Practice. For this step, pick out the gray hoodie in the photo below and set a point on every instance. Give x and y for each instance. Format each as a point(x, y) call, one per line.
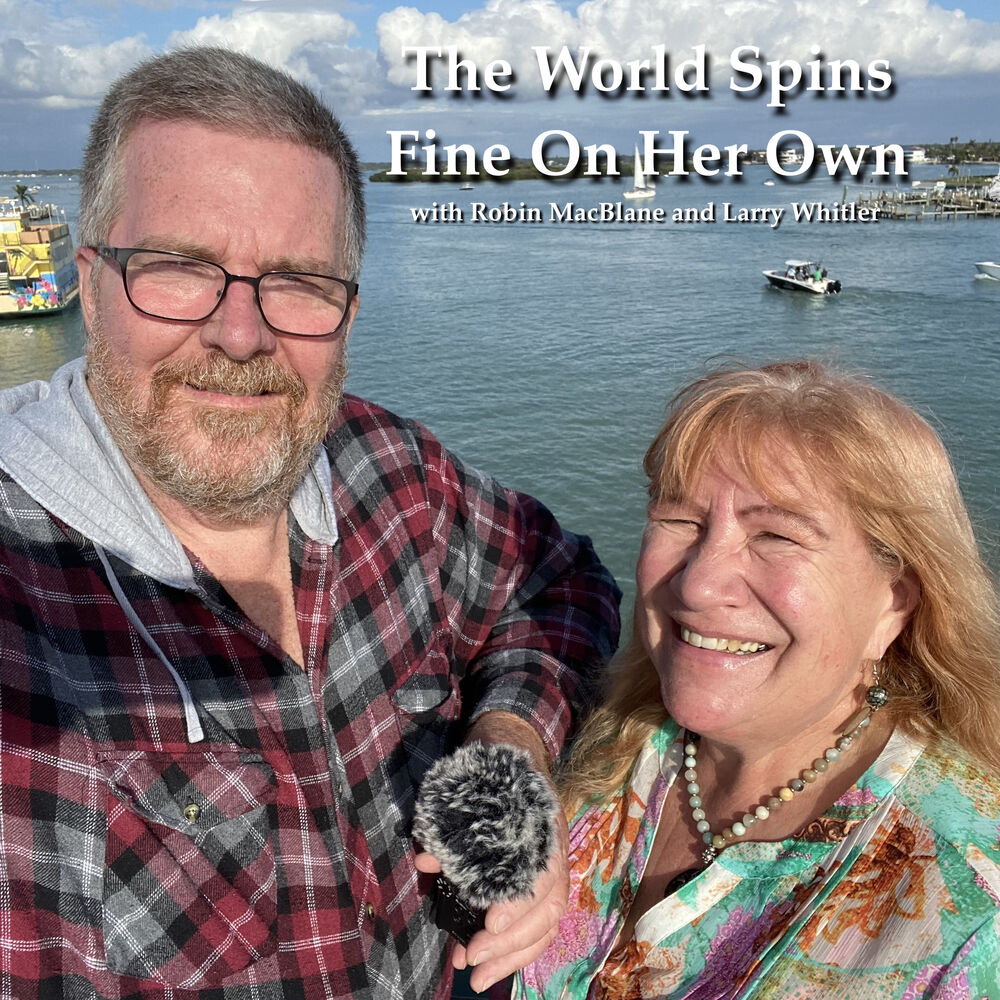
point(55, 445)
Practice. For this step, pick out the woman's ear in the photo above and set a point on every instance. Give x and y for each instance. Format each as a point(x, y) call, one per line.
point(905, 593)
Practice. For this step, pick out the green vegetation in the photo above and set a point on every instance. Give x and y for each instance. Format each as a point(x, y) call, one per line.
point(23, 195)
point(956, 151)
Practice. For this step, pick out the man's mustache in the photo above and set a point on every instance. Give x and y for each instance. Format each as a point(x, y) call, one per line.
point(220, 373)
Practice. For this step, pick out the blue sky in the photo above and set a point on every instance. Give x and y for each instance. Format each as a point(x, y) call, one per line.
point(57, 58)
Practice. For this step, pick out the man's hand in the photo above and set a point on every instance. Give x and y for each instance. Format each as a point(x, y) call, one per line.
point(519, 930)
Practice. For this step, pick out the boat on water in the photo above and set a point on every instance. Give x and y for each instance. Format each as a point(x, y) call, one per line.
point(37, 269)
point(640, 187)
point(803, 276)
point(467, 186)
point(989, 268)
point(993, 191)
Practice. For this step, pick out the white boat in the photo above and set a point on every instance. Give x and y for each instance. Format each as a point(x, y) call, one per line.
point(989, 267)
point(803, 276)
point(639, 188)
point(467, 186)
point(993, 191)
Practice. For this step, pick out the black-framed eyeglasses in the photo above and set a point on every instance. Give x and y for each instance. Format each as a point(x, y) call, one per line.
point(175, 286)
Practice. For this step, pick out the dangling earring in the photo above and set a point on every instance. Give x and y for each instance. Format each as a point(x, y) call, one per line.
point(876, 695)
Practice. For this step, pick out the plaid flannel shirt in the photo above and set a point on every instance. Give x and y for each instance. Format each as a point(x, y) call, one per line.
point(274, 859)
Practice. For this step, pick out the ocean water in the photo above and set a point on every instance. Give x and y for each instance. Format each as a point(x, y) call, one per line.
point(546, 353)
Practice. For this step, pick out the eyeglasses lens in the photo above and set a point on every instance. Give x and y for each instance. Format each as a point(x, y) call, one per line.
point(303, 303)
point(172, 286)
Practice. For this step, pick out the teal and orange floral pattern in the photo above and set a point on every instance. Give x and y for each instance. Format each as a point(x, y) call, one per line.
point(892, 894)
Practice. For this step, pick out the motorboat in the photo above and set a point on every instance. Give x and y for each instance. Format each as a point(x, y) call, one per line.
point(993, 191)
point(990, 268)
point(640, 188)
point(803, 276)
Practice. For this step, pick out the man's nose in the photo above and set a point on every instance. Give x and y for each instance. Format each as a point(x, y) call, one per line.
point(237, 326)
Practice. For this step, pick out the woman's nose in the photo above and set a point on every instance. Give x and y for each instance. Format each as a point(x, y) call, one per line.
point(712, 575)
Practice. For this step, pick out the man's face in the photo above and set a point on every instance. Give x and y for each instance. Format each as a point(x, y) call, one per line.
point(222, 414)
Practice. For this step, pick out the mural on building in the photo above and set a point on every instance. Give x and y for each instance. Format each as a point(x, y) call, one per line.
point(37, 269)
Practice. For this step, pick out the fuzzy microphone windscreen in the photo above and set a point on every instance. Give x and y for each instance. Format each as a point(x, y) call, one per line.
point(487, 815)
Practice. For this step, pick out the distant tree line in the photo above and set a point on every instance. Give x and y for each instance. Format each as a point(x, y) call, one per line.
point(957, 150)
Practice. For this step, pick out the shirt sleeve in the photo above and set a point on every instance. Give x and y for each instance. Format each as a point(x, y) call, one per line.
point(533, 612)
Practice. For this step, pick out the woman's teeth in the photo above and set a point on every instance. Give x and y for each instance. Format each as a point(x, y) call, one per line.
point(738, 646)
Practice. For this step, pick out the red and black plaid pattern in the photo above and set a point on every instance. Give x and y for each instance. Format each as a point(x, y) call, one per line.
point(273, 860)
point(190, 890)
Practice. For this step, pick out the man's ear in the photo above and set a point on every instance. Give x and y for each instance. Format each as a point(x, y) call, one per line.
point(86, 261)
point(352, 314)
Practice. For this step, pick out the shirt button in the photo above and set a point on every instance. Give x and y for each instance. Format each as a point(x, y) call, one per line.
point(369, 911)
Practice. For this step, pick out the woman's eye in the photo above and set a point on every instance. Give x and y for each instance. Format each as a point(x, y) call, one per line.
point(682, 523)
point(774, 536)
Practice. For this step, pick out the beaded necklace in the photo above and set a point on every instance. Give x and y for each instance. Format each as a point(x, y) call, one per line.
point(875, 697)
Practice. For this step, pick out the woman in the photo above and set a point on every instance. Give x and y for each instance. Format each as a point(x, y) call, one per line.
point(789, 789)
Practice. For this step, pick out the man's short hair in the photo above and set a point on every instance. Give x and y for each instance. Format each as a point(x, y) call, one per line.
point(221, 89)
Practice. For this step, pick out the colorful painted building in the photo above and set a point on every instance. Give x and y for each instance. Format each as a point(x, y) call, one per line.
point(37, 269)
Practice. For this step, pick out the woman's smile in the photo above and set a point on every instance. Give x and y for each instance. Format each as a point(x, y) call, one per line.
point(722, 643)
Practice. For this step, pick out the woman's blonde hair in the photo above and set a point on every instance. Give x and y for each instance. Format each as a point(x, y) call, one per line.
point(890, 468)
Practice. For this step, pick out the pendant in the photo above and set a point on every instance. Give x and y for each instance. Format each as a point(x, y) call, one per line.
point(708, 855)
point(680, 880)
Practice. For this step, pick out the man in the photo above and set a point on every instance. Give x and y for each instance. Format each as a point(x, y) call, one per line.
point(240, 613)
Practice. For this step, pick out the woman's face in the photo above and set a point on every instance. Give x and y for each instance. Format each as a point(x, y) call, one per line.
point(760, 616)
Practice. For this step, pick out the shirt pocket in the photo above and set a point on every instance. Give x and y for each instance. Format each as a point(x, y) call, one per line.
point(427, 703)
point(190, 885)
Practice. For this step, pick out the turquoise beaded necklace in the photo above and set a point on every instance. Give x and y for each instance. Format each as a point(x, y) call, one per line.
point(875, 697)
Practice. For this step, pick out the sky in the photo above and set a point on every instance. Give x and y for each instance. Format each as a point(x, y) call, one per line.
point(57, 58)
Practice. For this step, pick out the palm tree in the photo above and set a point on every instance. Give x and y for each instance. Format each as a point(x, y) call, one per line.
point(23, 195)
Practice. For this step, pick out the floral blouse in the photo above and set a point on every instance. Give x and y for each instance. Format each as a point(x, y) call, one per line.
point(894, 894)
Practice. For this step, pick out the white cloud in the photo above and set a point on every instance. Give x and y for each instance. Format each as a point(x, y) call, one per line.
point(918, 38)
point(60, 63)
point(270, 34)
point(64, 75)
point(309, 44)
point(503, 29)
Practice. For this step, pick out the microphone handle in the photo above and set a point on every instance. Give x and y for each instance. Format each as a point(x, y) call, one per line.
point(450, 914)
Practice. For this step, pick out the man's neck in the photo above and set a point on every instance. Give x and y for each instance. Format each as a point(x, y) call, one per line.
point(251, 560)
point(218, 541)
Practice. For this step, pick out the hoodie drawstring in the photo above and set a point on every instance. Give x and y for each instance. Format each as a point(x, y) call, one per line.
point(195, 734)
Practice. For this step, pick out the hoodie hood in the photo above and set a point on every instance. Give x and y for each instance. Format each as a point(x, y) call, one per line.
point(55, 445)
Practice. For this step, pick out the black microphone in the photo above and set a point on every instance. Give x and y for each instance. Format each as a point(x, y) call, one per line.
point(487, 815)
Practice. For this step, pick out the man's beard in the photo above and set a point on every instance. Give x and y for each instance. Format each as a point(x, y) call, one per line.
point(227, 464)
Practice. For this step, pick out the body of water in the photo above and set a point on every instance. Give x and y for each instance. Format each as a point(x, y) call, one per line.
point(546, 353)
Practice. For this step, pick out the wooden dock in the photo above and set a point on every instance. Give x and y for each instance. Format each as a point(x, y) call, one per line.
point(930, 204)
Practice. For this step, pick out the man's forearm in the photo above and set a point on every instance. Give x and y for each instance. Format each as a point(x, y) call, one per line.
point(505, 727)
